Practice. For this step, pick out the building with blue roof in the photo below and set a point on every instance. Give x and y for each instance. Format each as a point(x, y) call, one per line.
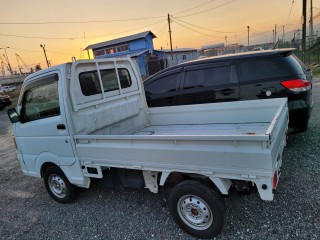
point(138, 46)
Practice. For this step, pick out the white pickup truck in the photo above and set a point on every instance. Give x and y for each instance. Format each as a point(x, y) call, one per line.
point(89, 119)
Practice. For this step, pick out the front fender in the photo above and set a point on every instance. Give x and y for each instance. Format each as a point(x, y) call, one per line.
point(46, 157)
point(72, 170)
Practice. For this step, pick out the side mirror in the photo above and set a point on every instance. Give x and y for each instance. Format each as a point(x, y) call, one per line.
point(13, 115)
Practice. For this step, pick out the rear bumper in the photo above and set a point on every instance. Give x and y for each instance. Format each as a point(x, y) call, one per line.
point(299, 112)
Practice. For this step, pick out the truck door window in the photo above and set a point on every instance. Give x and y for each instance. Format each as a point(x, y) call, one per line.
point(90, 84)
point(40, 102)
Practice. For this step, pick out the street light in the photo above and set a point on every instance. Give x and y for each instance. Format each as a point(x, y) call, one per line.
point(45, 54)
point(7, 59)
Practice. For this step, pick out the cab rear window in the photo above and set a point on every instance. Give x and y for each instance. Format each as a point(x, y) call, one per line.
point(90, 83)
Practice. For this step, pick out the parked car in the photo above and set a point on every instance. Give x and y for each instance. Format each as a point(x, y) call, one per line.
point(4, 101)
point(235, 77)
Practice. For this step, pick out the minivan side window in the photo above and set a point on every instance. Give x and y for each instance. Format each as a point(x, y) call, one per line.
point(41, 101)
point(207, 77)
point(163, 84)
point(264, 68)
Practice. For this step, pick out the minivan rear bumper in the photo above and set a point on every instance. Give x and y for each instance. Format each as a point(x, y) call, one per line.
point(299, 113)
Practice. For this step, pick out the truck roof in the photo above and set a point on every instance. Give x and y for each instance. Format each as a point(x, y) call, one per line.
point(43, 71)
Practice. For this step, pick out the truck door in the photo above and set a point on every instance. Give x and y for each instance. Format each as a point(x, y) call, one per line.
point(42, 133)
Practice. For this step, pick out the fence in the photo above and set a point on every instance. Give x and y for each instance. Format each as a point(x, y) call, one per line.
point(312, 53)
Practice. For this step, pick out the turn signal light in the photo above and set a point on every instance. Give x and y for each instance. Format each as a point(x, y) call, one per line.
point(275, 180)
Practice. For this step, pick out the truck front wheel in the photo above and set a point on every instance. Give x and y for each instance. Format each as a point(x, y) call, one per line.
point(58, 185)
point(197, 209)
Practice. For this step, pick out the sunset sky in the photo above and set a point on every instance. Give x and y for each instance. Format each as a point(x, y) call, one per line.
point(194, 24)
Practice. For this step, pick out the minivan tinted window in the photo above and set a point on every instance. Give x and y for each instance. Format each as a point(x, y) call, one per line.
point(207, 77)
point(163, 84)
point(264, 68)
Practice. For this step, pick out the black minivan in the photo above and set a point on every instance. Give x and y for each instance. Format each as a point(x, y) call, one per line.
point(235, 77)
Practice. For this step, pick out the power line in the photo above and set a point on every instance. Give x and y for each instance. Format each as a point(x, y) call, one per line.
point(208, 35)
point(77, 38)
point(290, 12)
point(162, 20)
point(24, 50)
point(194, 7)
point(161, 31)
point(206, 28)
point(208, 9)
point(37, 37)
point(64, 53)
point(78, 22)
point(254, 30)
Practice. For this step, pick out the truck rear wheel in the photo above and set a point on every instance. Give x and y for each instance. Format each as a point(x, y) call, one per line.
point(197, 209)
point(58, 185)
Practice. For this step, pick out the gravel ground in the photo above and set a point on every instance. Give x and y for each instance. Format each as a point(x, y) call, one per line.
point(27, 211)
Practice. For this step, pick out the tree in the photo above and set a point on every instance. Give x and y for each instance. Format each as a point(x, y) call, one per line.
point(38, 67)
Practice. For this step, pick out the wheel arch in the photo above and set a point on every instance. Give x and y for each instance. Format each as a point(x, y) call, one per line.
point(221, 184)
point(44, 160)
point(45, 166)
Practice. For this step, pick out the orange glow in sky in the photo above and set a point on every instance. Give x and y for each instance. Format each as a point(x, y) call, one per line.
point(194, 24)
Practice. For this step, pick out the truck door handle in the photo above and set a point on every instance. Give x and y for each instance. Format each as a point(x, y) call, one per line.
point(61, 127)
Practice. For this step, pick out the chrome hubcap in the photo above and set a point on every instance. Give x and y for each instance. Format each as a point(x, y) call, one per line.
point(57, 186)
point(195, 212)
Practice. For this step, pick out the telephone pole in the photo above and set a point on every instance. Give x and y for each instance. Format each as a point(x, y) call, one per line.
point(273, 36)
point(283, 36)
point(275, 33)
point(311, 22)
point(45, 54)
point(170, 38)
point(304, 17)
point(248, 35)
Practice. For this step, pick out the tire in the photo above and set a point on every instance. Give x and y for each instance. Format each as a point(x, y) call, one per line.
point(303, 126)
point(58, 185)
point(197, 209)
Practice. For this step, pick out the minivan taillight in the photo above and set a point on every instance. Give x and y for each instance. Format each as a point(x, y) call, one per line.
point(297, 85)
